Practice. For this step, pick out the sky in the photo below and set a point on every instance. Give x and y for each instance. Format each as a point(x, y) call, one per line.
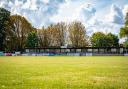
point(96, 15)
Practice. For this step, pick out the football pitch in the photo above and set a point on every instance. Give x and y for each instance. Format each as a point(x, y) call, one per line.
point(64, 72)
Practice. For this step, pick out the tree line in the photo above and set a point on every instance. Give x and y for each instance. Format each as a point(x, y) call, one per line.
point(16, 33)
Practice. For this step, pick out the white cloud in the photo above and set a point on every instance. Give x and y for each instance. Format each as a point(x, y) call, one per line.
point(111, 22)
point(38, 12)
point(30, 4)
point(115, 15)
point(71, 11)
point(99, 25)
point(85, 12)
point(125, 10)
point(46, 1)
point(44, 12)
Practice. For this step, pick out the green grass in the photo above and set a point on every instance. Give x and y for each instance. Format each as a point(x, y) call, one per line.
point(63, 72)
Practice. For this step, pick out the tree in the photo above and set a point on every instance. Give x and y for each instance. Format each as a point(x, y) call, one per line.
point(32, 40)
point(126, 43)
point(4, 21)
point(19, 32)
point(126, 18)
point(100, 39)
point(55, 35)
point(61, 29)
point(113, 40)
point(124, 33)
point(43, 37)
point(77, 35)
point(51, 36)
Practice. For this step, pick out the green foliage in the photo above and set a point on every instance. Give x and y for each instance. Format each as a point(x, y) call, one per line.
point(124, 30)
point(18, 33)
point(100, 39)
point(113, 40)
point(4, 20)
point(124, 33)
point(126, 23)
point(126, 18)
point(32, 40)
point(126, 43)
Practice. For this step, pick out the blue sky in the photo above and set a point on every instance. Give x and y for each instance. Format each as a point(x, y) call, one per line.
point(96, 15)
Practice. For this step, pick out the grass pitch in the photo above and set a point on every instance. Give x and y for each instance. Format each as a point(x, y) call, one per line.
point(63, 72)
